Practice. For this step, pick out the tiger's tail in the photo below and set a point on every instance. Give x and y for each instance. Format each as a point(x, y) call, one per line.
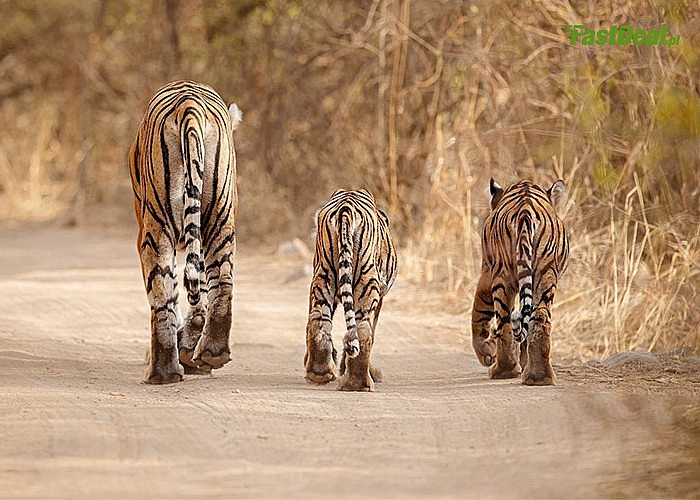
point(192, 123)
point(345, 277)
point(520, 320)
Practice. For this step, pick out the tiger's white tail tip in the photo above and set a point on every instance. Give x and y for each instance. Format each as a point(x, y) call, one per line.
point(352, 348)
point(236, 115)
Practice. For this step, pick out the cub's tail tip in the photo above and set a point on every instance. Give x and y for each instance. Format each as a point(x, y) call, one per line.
point(352, 348)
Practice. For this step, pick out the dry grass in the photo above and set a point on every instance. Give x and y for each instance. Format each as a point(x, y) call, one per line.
point(621, 127)
point(618, 296)
point(621, 291)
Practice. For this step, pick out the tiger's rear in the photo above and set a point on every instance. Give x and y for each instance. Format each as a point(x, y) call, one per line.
point(525, 251)
point(183, 172)
point(354, 265)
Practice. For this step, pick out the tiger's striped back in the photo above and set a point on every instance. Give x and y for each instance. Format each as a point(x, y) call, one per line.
point(354, 265)
point(183, 172)
point(175, 130)
point(525, 251)
point(524, 237)
point(356, 222)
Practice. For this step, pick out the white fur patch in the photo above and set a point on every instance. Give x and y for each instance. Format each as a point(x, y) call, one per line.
point(236, 115)
point(353, 348)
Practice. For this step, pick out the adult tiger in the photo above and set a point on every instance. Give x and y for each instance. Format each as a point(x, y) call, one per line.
point(354, 265)
point(525, 251)
point(183, 171)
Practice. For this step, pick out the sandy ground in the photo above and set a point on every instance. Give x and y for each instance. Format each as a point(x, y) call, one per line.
point(76, 421)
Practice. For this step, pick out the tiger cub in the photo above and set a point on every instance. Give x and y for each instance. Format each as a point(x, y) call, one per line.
point(355, 266)
point(524, 253)
point(183, 172)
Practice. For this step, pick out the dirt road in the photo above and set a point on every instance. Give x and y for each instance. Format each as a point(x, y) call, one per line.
point(78, 423)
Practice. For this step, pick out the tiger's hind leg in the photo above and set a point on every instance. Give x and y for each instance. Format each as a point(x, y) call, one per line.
point(374, 371)
point(482, 314)
point(507, 363)
point(357, 371)
point(212, 350)
point(539, 370)
point(158, 265)
point(321, 355)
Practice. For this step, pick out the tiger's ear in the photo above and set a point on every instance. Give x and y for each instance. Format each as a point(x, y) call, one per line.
point(496, 193)
point(557, 194)
point(384, 216)
point(236, 115)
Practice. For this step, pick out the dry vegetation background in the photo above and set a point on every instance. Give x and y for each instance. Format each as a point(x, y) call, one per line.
point(420, 101)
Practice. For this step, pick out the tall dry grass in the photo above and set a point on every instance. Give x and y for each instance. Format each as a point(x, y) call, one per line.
point(621, 127)
point(622, 290)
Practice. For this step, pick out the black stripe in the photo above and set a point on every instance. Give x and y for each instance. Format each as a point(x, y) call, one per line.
point(498, 301)
point(192, 229)
point(155, 272)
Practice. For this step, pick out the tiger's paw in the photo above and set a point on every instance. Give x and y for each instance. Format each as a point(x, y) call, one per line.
point(540, 381)
point(498, 373)
point(157, 377)
point(485, 350)
point(316, 376)
point(546, 378)
point(191, 367)
point(363, 384)
point(208, 355)
point(319, 372)
point(212, 361)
